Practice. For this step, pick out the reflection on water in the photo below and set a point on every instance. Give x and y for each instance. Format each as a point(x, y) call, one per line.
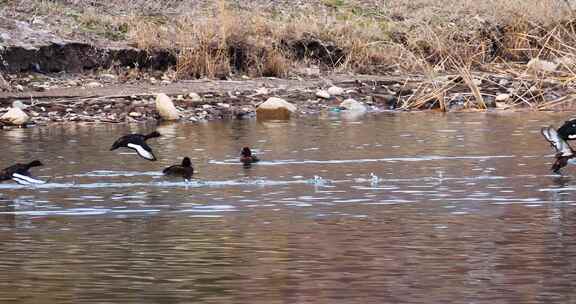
point(394, 208)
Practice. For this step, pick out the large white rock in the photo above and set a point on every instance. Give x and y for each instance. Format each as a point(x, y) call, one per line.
point(166, 108)
point(15, 116)
point(353, 105)
point(335, 91)
point(275, 108)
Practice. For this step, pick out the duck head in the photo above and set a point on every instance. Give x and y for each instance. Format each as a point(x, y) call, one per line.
point(186, 162)
point(246, 152)
point(568, 130)
point(152, 135)
point(35, 163)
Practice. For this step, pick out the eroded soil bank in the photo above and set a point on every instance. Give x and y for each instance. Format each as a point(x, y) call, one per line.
point(74, 61)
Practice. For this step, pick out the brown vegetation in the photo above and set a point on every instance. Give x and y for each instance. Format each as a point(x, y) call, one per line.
point(218, 39)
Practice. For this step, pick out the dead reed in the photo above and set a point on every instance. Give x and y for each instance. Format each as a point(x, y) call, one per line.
point(220, 39)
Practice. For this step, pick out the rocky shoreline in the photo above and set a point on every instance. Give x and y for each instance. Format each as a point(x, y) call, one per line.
point(196, 101)
point(107, 98)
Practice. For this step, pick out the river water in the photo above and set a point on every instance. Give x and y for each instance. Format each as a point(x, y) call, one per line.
point(389, 208)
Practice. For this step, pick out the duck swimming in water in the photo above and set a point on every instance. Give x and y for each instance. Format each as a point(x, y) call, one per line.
point(184, 170)
point(563, 150)
point(20, 173)
point(137, 142)
point(246, 156)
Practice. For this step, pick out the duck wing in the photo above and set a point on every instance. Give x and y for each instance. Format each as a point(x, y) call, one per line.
point(26, 179)
point(561, 146)
point(7, 173)
point(120, 142)
point(19, 173)
point(171, 170)
point(143, 150)
point(177, 170)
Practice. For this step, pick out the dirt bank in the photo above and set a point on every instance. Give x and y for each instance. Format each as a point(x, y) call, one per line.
point(103, 61)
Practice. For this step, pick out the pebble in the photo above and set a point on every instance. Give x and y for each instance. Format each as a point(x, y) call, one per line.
point(195, 97)
point(93, 84)
point(262, 91)
point(108, 77)
point(323, 94)
point(353, 105)
point(502, 97)
point(4, 85)
point(335, 91)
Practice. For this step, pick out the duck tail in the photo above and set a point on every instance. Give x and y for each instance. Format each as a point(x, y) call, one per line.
point(560, 163)
point(151, 135)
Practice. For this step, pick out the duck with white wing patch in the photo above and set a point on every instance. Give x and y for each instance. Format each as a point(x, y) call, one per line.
point(20, 173)
point(137, 142)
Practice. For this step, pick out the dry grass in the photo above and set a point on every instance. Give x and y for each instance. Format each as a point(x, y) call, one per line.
point(218, 39)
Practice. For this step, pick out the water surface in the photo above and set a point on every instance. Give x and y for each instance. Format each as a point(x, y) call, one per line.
point(391, 208)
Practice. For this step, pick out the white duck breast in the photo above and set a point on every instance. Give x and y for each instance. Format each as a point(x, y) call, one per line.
point(26, 180)
point(141, 151)
point(558, 143)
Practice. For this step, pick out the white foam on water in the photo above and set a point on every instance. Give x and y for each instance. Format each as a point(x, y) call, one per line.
point(106, 173)
point(367, 160)
point(73, 211)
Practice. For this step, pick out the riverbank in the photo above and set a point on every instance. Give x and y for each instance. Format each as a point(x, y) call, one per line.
point(72, 61)
point(105, 98)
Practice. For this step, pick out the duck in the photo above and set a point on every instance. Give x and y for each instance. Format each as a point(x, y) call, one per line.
point(564, 152)
point(20, 173)
point(568, 130)
point(246, 156)
point(137, 142)
point(184, 170)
